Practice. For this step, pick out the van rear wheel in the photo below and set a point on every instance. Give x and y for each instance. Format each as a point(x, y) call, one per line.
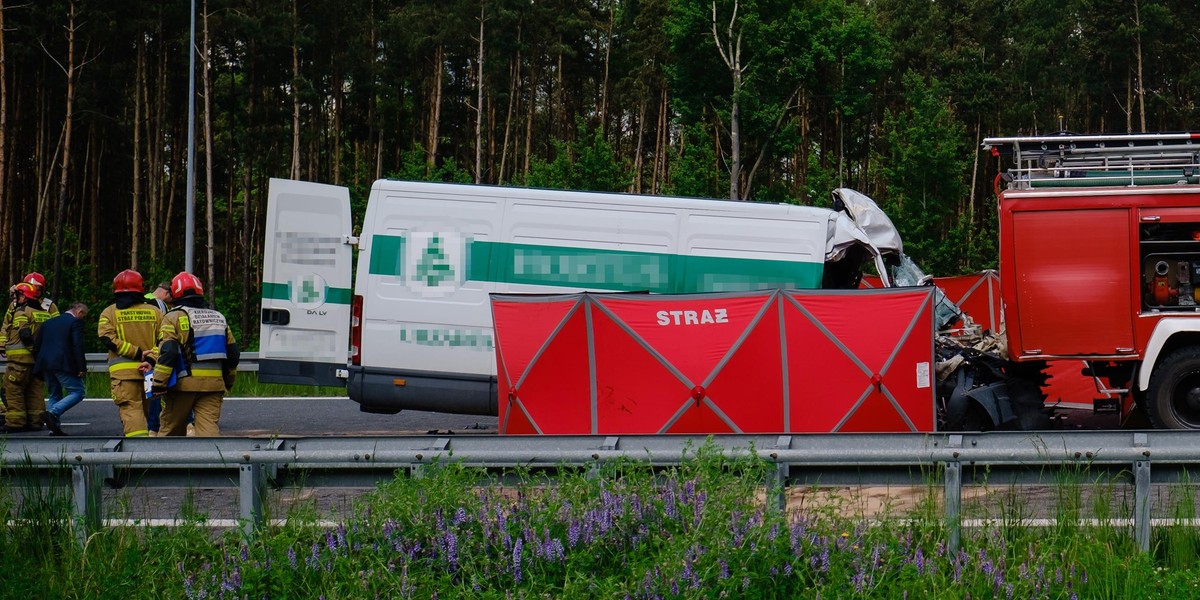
point(1173, 397)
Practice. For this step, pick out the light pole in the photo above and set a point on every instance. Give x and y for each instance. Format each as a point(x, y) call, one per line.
point(189, 259)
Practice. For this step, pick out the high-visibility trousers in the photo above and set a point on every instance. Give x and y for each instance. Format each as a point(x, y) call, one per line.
point(177, 405)
point(129, 396)
point(24, 396)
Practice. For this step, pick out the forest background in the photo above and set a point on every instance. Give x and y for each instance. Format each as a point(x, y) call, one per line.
point(756, 100)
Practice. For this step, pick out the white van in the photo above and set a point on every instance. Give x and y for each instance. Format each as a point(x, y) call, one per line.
point(416, 331)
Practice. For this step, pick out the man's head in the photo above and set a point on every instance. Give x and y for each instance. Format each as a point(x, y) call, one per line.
point(79, 309)
point(163, 291)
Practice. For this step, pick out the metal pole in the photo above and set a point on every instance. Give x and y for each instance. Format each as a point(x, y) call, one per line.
point(190, 228)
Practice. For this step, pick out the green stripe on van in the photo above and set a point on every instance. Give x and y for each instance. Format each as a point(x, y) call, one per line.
point(283, 291)
point(616, 270)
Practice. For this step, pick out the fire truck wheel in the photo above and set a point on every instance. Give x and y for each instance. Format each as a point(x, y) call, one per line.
point(1173, 397)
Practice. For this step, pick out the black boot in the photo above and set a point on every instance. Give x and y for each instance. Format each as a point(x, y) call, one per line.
point(52, 422)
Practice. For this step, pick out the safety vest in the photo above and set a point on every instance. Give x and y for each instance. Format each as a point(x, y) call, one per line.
point(206, 342)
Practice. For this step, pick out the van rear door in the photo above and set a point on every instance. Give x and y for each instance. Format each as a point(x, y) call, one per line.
point(305, 331)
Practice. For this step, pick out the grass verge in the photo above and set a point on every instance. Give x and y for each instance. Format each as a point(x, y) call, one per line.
point(703, 529)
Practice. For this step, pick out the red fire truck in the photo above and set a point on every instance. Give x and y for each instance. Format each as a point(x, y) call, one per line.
point(1100, 261)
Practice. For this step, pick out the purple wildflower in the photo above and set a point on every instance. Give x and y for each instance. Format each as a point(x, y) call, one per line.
point(452, 550)
point(516, 560)
point(573, 532)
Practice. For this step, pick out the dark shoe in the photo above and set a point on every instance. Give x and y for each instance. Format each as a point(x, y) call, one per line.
point(52, 422)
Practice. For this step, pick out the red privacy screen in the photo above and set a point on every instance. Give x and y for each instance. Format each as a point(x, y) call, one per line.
point(782, 361)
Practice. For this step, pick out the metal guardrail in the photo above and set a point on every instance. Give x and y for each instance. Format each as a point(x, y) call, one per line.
point(97, 362)
point(862, 459)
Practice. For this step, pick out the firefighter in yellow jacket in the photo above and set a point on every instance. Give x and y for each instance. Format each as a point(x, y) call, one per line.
point(25, 394)
point(38, 281)
point(128, 329)
point(197, 361)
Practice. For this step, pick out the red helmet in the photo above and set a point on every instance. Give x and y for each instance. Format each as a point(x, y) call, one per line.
point(25, 289)
point(127, 281)
point(183, 283)
point(37, 279)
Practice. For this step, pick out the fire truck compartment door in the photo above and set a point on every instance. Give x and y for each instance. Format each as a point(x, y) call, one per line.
point(1074, 281)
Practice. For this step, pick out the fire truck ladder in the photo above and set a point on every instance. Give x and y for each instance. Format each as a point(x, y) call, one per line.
point(1070, 160)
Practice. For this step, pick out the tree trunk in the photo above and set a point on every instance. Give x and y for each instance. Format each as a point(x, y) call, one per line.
point(479, 103)
point(637, 153)
point(139, 82)
point(1129, 83)
point(731, 53)
point(1141, 84)
point(160, 208)
point(247, 191)
point(514, 74)
point(89, 217)
point(659, 176)
point(206, 87)
point(974, 181)
point(564, 126)
point(604, 86)
point(295, 171)
point(5, 235)
point(373, 102)
point(529, 110)
point(65, 169)
point(435, 110)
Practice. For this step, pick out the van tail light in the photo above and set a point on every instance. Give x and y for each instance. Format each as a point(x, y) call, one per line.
point(356, 307)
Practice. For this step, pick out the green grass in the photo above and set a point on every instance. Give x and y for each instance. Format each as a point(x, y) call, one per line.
point(621, 530)
point(97, 386)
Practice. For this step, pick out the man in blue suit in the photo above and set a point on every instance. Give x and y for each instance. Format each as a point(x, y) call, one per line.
point(60, 361)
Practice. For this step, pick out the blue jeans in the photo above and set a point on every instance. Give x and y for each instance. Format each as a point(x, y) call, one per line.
point(153, 410)
point(56, 383)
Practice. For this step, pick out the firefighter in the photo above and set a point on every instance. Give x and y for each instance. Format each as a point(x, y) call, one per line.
point(24, 393)
point(38, 281)
point(128, 329)
point(197, 361)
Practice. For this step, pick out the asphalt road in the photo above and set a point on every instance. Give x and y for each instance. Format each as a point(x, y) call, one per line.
point(308, 417)
point(286, 417)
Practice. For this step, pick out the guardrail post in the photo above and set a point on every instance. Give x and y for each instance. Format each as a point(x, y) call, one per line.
point(1141, 494)
point(781, 474)
point(85, 483)
point(609, 444)
point(953, 496)
point(252, 482)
